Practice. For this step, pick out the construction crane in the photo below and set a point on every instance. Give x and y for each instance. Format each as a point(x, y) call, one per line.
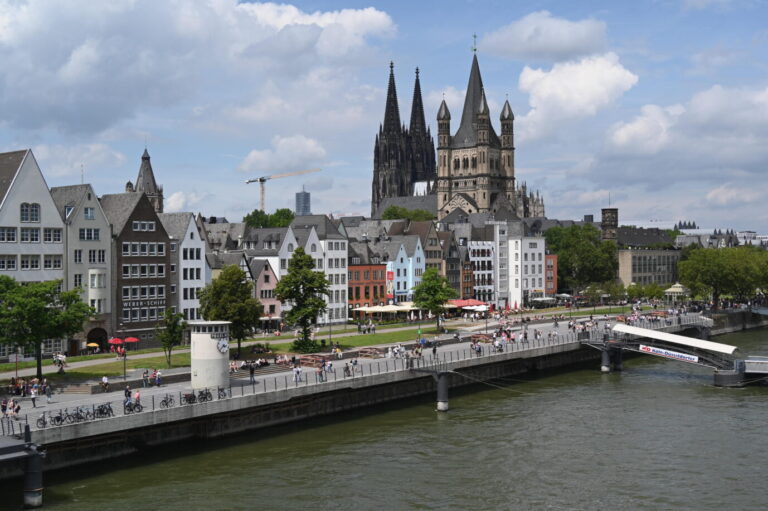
point(263, 179)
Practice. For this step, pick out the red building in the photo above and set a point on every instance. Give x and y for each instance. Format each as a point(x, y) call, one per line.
point(550, 274)
point(366, 278)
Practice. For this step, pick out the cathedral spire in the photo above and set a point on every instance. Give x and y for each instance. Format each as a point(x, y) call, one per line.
point(418, 124)
point(392, 110)
point(146, 183)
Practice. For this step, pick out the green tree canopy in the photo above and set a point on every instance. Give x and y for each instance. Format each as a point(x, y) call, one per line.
point(36, 311)
point(258, 218)
point(303, 288)
point(229, 297)
point(432, 293)
point(396, 212)
point(170, 332)
point(582, 257)
point(738, 271)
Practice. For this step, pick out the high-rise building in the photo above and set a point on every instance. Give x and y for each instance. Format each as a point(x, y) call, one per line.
point(303, 203)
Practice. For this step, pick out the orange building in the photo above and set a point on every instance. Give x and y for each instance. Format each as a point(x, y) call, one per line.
point(550, 274)
point(366, 278)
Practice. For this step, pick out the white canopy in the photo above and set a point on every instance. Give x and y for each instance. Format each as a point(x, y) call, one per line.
point(675, 339)
point(677, 290)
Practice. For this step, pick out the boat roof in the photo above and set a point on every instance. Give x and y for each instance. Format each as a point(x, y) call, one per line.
point(676, 339)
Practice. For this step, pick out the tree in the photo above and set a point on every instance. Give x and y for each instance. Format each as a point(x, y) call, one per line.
point(170, 332)
point(229, 297)
point(432, 293)
point(304, 288)
point(582, 257)
point(396, 213)
point(706, 272)
point(258, 218)
point(36, 311)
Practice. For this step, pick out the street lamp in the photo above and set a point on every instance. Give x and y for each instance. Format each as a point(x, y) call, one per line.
point(125, 353)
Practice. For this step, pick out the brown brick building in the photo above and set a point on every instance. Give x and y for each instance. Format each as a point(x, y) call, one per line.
point(366, 277)
point(141, 266)
point(550, 274)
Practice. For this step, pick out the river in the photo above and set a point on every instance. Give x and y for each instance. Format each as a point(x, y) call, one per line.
point(657, 436)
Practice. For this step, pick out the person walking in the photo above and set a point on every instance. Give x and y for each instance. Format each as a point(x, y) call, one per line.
point(158, 378)
point(252, 371)
point(48, 392)
point(145, 378)
point(33, 395)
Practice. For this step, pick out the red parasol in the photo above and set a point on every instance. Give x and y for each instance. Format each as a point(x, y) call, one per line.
point(131, 339)
point(115, 340)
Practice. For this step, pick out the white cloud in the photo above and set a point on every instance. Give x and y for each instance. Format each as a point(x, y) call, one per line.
point(287, 154)
point(707, 4)
point(66, 160)
point(729, 194)
point(571, 90)
point(183, 201)
point(83, 66)
point(541, 36)
point(647, 133)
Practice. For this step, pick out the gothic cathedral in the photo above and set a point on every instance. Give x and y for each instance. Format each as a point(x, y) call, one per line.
point(475, 167)
point(403, 158)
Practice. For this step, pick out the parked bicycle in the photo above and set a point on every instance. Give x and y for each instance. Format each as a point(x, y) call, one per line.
point(104, 411)
point(44, 421)
point(188, 399)
point(167, 401)
point(204, 395)
point(132, 407)
point(222, 393)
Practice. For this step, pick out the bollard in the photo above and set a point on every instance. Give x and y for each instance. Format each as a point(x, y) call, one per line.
point(616, 359)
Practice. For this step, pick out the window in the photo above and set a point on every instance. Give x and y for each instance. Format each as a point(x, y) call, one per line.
point(7, 262)
point(184, 274)
point(78, 280)
point(126, 248)
point(161, 270)
point(290, 247)
point(89, 234)
point(184, 255)
point(282, 264)
point(126, 293)
point(173, 288)
point(52, 262)
point(89, 213)
point(51, 235)
point(173, 247)
point(266, 277)
point(197, 273)
point(30, 212)
point(30, 262)
point(78, 256)
point(68, 210)
point(197, 254)
point(161, 249)
point(92, 256)
point(314, 248)
point(173, 268)
point(191, 235)
point(30, 235)
point(7, 234)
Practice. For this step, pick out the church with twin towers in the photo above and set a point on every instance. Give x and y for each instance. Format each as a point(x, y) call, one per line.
point(473, 170)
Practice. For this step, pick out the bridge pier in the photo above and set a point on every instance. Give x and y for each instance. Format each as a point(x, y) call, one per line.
point(616, 359)
point(442, 391)
point(605, 361)
point(33, 474)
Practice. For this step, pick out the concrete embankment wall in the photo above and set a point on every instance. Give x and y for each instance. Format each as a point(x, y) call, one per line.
point(103, 439)
point(736, 321)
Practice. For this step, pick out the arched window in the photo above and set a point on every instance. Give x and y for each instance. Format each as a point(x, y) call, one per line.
point(290, 247)
point(456, 164)
point(24, 212)
point(314, 247)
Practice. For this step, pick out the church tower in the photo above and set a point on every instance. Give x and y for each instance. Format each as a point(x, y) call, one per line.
point(392, 161)
point(421, 142)
point(146, 183)
point(472, 173)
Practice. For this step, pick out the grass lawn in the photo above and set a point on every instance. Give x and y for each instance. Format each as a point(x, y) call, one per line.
point(11, 366)
point(115, 368)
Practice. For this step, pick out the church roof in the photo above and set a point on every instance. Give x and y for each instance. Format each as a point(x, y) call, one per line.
point(146, 180)
point(506, 112)
point(443, 114)
point(466, 136)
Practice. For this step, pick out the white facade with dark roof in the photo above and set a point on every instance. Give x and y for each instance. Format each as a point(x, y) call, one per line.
point(88, 260)
point(188, 263)
point(31, 229)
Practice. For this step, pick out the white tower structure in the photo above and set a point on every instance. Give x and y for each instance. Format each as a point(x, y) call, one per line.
point(210, 354)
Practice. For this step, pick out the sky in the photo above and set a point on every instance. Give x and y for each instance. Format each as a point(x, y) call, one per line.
point(658, 106)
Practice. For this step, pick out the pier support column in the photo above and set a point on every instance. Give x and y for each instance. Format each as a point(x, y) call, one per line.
point(442, 392)
point(605, 362)
point(33, 473)
point(616, 359)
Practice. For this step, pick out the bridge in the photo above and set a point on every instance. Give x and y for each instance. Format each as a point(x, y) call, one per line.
point(730, 370)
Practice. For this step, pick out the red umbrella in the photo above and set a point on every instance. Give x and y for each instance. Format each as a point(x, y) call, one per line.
point(115, 340)
point(131, 339)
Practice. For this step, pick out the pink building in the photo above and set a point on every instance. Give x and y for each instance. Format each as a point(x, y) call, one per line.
point(265, 281)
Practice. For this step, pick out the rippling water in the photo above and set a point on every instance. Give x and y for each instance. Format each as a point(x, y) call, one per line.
point(658, 436)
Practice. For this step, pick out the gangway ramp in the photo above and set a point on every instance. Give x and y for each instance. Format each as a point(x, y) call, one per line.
point(680, 340)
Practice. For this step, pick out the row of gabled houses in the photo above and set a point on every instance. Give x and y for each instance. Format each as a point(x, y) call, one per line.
point(131, 260)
